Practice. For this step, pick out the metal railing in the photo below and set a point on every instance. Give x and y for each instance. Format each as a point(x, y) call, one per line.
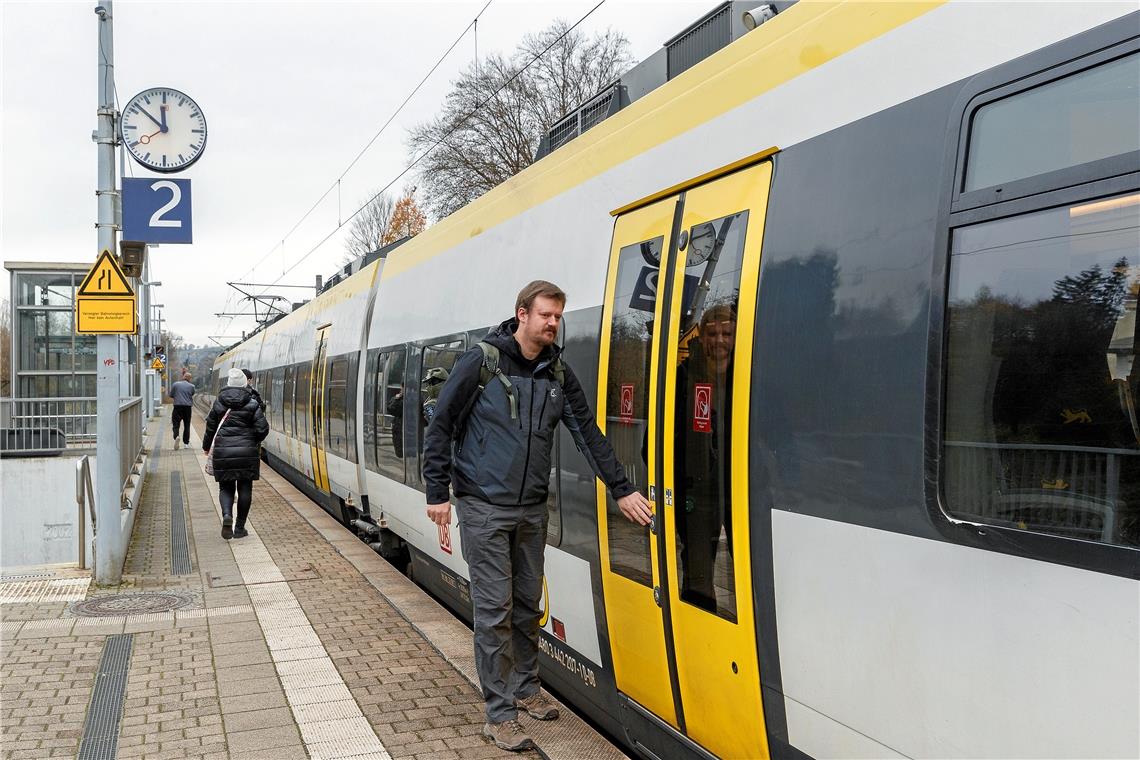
point(85, 499)
point(75, 416)
point(130, 435)
point(1066, 490)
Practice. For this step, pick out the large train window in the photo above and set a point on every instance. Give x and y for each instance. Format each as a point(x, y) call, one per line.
point(1082, 118)
point(277, 411)
point(303, 374)
point(389, 412)
point(287, 402)
point(336, 407)
point(1042, 430)
point(627, 398)
point(434, 370)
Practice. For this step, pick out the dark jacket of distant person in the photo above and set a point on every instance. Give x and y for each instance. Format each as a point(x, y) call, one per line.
point(237, 447)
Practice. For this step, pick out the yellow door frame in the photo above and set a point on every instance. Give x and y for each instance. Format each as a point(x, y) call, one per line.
point(633, 616)
point(717, 665)
point(715, 660)
point(317, 410)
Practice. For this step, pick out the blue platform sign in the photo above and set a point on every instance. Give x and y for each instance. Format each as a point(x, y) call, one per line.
point(157, 210)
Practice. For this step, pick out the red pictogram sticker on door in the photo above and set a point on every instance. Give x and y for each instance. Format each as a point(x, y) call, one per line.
point(702, 408)
point(626, 411)
point(445, 538)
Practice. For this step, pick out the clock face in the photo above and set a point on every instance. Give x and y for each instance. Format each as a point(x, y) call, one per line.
point(163, 129)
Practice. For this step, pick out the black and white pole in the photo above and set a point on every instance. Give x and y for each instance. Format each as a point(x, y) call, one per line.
point(109, 550)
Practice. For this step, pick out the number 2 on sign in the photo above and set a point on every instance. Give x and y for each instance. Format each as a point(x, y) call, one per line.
point(156, 219)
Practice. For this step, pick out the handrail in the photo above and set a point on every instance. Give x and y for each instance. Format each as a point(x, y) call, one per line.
point(84, 496)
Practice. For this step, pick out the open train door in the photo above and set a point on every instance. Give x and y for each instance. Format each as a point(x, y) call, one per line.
point(674, 383)
point(317, 439)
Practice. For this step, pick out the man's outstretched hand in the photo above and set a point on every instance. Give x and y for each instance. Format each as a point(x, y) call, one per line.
point(635, 507)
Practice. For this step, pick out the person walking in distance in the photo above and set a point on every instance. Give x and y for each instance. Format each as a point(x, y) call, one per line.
point(491, 440)
point(182, 393)
point(235, 428)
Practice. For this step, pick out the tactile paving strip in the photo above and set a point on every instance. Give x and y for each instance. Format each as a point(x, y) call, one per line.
point(101, 728)
point(179, 546)
point(331, 722)
point(44, 591)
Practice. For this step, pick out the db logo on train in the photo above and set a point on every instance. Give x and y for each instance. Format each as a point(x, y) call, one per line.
point(445, 538)
point(702, 408)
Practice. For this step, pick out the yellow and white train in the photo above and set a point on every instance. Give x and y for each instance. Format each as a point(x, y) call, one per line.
point(905, 520)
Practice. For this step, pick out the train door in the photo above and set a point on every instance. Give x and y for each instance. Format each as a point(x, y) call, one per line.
point(317, 441)
point(675, 389)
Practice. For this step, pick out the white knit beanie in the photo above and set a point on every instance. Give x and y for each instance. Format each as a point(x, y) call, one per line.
point(235, 378)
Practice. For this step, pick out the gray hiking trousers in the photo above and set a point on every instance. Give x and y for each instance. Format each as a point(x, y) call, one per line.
point(505, 551)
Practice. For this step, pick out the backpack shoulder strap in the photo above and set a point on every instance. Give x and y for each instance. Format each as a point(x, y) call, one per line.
point(558, 369)
point(490, 369)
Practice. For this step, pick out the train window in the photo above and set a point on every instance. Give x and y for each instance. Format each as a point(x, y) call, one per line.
point(301, 394)
point(1083, 117)
point(287, 402)
point(277, 411)
point(350, 404)
point(627, 399)
point(702, 460)
point(389, 391)
point(368, 421)
point(336, 407)
point(1042, 430)
point(434, 368)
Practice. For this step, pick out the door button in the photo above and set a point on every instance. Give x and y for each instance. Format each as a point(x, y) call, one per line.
point(657, 595)
point(668, 497)
point(653, 524)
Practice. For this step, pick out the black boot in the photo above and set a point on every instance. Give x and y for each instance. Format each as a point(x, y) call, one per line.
point(227, 529)
point(240, 531)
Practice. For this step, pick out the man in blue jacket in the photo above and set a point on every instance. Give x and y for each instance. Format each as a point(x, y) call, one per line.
point(501, 407)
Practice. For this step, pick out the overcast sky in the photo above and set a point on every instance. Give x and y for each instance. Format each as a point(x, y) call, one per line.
point(291, 93)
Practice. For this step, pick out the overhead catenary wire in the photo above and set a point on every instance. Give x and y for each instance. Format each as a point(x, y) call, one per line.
point(462, 120)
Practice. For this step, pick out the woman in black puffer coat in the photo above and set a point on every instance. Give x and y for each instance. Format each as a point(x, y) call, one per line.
point(237, 449)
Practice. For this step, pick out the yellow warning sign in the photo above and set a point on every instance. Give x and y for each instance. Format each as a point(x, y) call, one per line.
point(105, 279)
point(157, 364)
point(102, 315)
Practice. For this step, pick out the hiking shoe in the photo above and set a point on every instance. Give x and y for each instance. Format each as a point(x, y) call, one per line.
point(539, 706)
point(227, 529)
point(240, 531)
point(508, 735)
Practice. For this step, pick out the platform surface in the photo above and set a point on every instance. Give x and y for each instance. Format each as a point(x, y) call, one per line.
point(297, 641)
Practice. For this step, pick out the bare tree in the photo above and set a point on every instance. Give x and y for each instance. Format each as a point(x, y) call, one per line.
point(366, 230)
point(498, 110)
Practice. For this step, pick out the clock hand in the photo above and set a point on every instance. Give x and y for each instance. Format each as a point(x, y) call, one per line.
point(145, 139)
point(162, 113)
point(156, 121)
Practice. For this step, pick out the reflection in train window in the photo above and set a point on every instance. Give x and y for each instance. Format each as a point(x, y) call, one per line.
point(1041, 428)
point(1084, 117)
point(434, 369)
point(336, 395)
point(389, 391)
point(702, 455)
point(627, 399)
